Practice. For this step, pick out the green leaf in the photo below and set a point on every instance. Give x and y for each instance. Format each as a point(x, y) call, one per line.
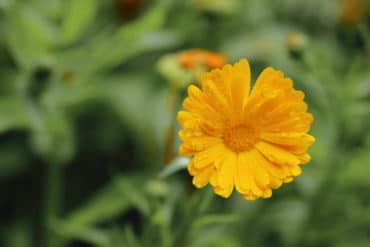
point(52, 137)
point(179, 163)
point(13, 114)
point(18, 234)
point(70, 231)
point(216, 237)
point(28, 34)
point(288, 218)
point(116, 198)
point(161, 39)
point(267, 43)
point(13, 159)
point(123, 44)
point(130, 237)
point(53, 9)
point(5, 4)
point(214, 219)
point(355, 173)
point(78, 18)
point(130, 97)
point(98, 237)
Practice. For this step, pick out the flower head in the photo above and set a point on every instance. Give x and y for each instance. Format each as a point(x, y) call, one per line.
point(251, 140)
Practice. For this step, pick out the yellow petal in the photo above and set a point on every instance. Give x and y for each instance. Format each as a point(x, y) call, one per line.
point(220, 84)
point(245, 179)
point(216, 97)
point(304, 158)
point(183, 151)
point(192, 170)
point(197, 103)
point(276, 154)
point(249, 197)
point(240, 84)
point(202, 178)
point(288, 180)
point(184, 116)
point(225, 175)
point(200, 144)
point(275, 182)
point(277, 173)
point(270, 79)
point(229, 85)
point(296, 122)
point(209, 156)
point(267, 193)
point(295, 170)
point(261, 176)
point(288, 138)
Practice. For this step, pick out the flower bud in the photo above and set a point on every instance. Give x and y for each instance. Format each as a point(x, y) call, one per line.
point(296, 43)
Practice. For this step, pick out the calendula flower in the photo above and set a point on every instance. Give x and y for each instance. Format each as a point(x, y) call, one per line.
point(353, 11)
point(251, 140)
point(195, 57)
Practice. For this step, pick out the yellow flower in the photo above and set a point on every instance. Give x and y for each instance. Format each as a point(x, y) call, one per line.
point(251, 140)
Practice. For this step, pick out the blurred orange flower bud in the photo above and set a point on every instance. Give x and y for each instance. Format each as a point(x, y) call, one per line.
point(352, 12)
point(187, 66)
point(195, 57)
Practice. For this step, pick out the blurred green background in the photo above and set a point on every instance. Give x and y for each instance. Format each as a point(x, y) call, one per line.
point(84, 119)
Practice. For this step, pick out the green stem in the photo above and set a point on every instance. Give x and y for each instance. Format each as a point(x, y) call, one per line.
point(170, 135)
point(52, 207)
point(362, 28)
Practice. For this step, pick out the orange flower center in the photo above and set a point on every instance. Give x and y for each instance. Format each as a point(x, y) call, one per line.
point(241, 137)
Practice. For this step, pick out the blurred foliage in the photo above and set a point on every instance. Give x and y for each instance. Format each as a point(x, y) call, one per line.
point(84, 115)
